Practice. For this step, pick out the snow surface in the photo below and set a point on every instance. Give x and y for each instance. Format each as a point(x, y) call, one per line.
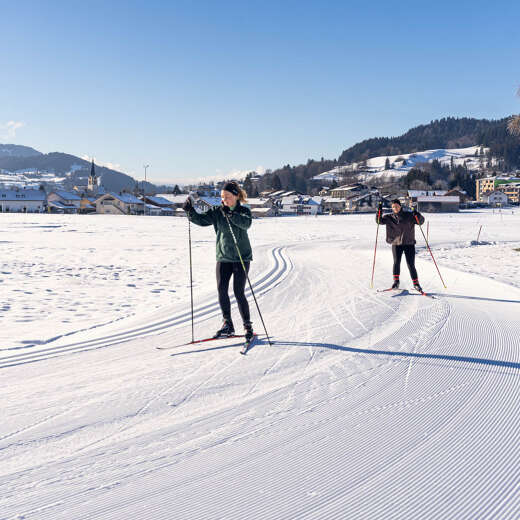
point(367, 405)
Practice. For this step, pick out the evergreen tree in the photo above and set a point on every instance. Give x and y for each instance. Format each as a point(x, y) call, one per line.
point(277, 184)
point(248, 185)
point(387, 164)
point(176, 190)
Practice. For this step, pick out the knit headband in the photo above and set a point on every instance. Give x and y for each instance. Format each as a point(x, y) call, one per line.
point(232, 188)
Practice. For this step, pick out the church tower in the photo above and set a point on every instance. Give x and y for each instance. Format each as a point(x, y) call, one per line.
point(92, 180)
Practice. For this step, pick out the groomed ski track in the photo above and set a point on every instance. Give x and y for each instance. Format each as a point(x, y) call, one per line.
point(366, 406)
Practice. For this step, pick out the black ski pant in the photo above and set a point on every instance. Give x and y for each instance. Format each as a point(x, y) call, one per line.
point(224, 272)
point(409, 253)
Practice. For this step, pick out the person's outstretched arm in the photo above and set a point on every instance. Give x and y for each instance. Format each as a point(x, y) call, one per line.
point(201, 219)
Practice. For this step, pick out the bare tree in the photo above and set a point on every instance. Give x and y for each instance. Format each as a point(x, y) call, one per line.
point(514, 123)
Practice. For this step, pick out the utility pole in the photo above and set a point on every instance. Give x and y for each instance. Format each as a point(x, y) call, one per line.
point(145, 166)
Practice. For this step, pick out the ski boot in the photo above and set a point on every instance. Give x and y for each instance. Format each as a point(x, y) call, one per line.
point(417, 286)
point(248, 328)
point(395, 285)
point(226, 330)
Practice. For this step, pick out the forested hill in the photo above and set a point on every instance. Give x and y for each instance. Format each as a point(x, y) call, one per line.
point(448, 132)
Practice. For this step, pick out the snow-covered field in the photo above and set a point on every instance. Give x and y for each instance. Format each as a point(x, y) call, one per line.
point(367, 405)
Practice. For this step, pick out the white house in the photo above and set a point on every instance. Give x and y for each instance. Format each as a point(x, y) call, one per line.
point(176, 201)
point(202, 204)
point(64, 202)
point(30, 201)
point(119, 204)
point(333, 204)
point(495, 198)
point(299, 205)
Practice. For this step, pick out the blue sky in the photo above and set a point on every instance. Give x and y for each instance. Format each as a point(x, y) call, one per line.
point(198, 89)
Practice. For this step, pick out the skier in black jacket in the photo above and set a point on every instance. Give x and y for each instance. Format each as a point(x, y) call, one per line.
point(400, 232)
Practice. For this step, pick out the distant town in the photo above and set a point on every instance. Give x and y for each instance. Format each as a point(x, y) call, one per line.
point(92, 198)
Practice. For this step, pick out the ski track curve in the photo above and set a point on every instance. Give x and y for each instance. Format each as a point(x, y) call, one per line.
point(322, 428)
point(265, 283)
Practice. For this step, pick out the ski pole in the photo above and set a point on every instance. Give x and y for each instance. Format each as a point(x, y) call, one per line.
point(247, 276)
point(375, 248)
point(192, 198)
point(191, 281)
point(428, 246)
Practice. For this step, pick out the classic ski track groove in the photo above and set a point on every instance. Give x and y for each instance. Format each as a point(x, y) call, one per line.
point(307, 428)
point(266, 282)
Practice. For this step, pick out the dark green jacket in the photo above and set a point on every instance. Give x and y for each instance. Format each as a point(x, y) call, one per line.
point(240, 219)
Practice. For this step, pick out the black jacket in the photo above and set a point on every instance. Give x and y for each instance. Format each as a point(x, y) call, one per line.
point(400, 227)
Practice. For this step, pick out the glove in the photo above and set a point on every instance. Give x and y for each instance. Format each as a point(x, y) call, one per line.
point(415, 212)
point(225, 210)
point(187, 206)
point(380, 207)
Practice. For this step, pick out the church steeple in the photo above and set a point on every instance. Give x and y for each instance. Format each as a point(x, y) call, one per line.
point(92, 180)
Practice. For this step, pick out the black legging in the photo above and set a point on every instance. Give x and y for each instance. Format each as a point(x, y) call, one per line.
point(409, 253)
point(224, 272)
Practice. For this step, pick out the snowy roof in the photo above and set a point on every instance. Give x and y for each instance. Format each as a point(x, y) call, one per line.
point(433, 198)
point(60, 205)
point(212, 201)
point(257, 201)
point(67, 195)
point(345, 187)
point(333, 200)
point(161, 201)
point(422, 193)
point(296, 199)
point(261, 210)
point(175, 199)
point(35, 195)
point(127, 198)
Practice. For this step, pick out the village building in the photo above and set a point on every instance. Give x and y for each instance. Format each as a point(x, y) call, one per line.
point(157, 205)
point(261, 207)
point(413, 195)
point(299, 205)
point(484, 185)
point(332, 205)
point(324, 191)
point(119, 204)
point(61, 201)
point(495, 198)
point(463, 196)
point(512, 190)
point(203, 204)
point(22, 201)
point(346, 191)
point(87, 205)
point(438, 204)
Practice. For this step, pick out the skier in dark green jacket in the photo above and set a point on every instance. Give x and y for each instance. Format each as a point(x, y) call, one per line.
point(229, 262)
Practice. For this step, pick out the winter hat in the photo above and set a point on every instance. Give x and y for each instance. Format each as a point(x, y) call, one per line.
point(232, 187)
